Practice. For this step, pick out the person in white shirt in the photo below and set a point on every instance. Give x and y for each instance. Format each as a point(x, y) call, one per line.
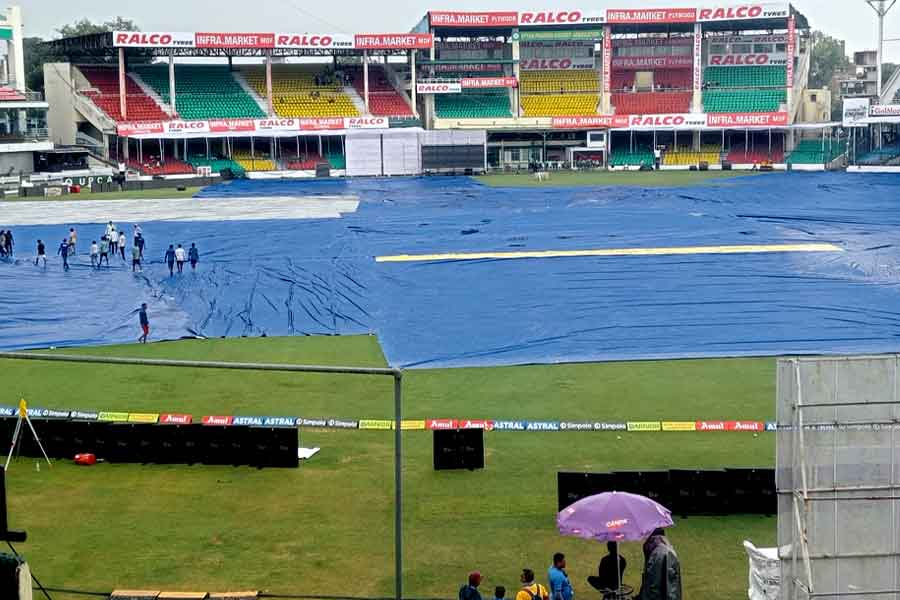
point(180, 257)
point(110, 228)
point(123, 239)
point(95, 254)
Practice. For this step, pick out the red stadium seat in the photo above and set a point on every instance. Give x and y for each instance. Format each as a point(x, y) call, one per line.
point(652, 103)
point(104, 82)
point(384, 100)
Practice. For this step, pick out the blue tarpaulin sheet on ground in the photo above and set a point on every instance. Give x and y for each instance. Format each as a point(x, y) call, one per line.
point(319, 276)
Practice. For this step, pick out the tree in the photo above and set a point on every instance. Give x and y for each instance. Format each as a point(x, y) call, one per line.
point(85, 27)
point(35, 57)
point(828, 57)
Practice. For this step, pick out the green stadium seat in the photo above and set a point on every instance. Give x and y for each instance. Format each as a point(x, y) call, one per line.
point(481, 104)
point(202, 92)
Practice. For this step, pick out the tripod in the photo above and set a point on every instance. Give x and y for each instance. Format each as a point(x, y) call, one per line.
point(23, 416)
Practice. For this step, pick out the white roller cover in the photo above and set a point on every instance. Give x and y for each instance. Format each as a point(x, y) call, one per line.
point(402, 153)
point(454, 137)
point(364, 154)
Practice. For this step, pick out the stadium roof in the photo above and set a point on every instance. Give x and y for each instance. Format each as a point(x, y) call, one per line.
point(237, 44)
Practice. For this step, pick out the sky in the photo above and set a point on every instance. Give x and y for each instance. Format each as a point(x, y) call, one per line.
point(851, 20)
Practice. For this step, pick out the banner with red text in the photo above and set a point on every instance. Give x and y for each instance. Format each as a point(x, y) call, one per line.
point(791, 51)
point(687, 121)
point(540, 18)
point(470, 83)
point(474, 19)
point(636, 16)
point(747, 120)
point(744, 12)
point(557, 64)
point(449, 87)
point(607, 59)
point(275, 125)
point(652, 62)
point(393, 41)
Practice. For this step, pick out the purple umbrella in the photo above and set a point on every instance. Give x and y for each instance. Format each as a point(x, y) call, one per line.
point(614, 517)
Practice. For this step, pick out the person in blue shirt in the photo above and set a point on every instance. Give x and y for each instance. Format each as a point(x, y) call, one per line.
point(470, 590)
point(560, 586)
point(170, 260)
point(64, 252)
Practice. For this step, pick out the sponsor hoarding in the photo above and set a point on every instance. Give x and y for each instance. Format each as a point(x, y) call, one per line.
point(130, 129)
point(654, 42)
point(212, 39)
point(510, 425)
point(440, 424)
point(747, 120)
point(748, 426)
point(679, 426)
point(175, 419)
point(619, 16)
point(589, 122)
point(143, 417)
point(542, 426)
point(855, 110)
point(474, 19)
point(393, 41)
point(153, 39)
point(791, 51)
point(575, 35)
point(644, 426)
point(113, 417)
point(884, 110)
point(607, 59)
point(748, 60)
point(469, 68)
point(377, 424)
point(667, 121)
point(557, 64)
point(476, 424)
point(218, 421)
point(576, 426)
point(711, 426)
point(744, 12)
point(439, 88)
point(541, 18)
point(698, 58)
point(652, 62)
point(78, 415)
point(313, 41)
point(488, 82)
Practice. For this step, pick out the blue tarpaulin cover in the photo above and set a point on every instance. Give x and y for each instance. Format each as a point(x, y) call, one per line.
point(319, 276)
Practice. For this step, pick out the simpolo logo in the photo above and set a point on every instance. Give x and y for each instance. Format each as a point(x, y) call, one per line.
point(734, 12)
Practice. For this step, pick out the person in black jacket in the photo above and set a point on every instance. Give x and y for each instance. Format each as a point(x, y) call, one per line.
point(470, 590)
point(608, 577)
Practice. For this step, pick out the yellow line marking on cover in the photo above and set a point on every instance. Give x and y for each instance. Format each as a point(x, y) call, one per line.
point(613, 252)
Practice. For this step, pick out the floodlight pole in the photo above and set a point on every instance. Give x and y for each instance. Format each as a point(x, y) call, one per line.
point(881, 8)
point(396, 374)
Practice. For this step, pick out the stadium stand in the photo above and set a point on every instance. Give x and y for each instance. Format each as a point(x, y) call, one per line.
point(880, 156)
point(810, 152)
point(686, 156)
point(104, 93)
point(560, 93)
point(651, 103)
point(153, 166)
point(336, 160)
point(384, 100)
point(303, 91)
point(620, 158)
point(744, 89)
point(757, 153)
point(217, 165)
point(250, 162)
point(474, 104)
point(202, 91)
point(306, 162)
point(10, 95)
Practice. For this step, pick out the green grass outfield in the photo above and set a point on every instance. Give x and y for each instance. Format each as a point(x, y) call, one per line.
point(166, 193)
point(613, 178)
point(326, 528)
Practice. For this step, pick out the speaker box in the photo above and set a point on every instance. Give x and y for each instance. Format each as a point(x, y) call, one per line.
point(323, 170)
point(651, 484)
point(704, 166)
point(726, 166)
point(459, 449)
point(752, 491)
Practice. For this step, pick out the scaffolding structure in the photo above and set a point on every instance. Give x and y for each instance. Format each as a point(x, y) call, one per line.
point(838, 477)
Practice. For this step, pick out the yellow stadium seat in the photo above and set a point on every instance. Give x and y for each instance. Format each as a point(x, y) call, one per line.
point(295, 93)
point(560, 93)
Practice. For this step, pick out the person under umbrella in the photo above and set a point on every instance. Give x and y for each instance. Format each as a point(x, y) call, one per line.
point(662, 570)
point(616, 517)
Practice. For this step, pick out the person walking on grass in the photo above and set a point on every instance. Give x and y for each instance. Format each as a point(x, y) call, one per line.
point(193, 256)
point(95, 255)
point(63, 251)
point(170, 259)
point(145, 323)
point(104, 251)
point(180, 256)
point(531, 590)
point(41, 254)
point(140, 242)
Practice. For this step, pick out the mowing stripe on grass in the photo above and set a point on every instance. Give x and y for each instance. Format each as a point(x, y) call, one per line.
point(614, 252)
